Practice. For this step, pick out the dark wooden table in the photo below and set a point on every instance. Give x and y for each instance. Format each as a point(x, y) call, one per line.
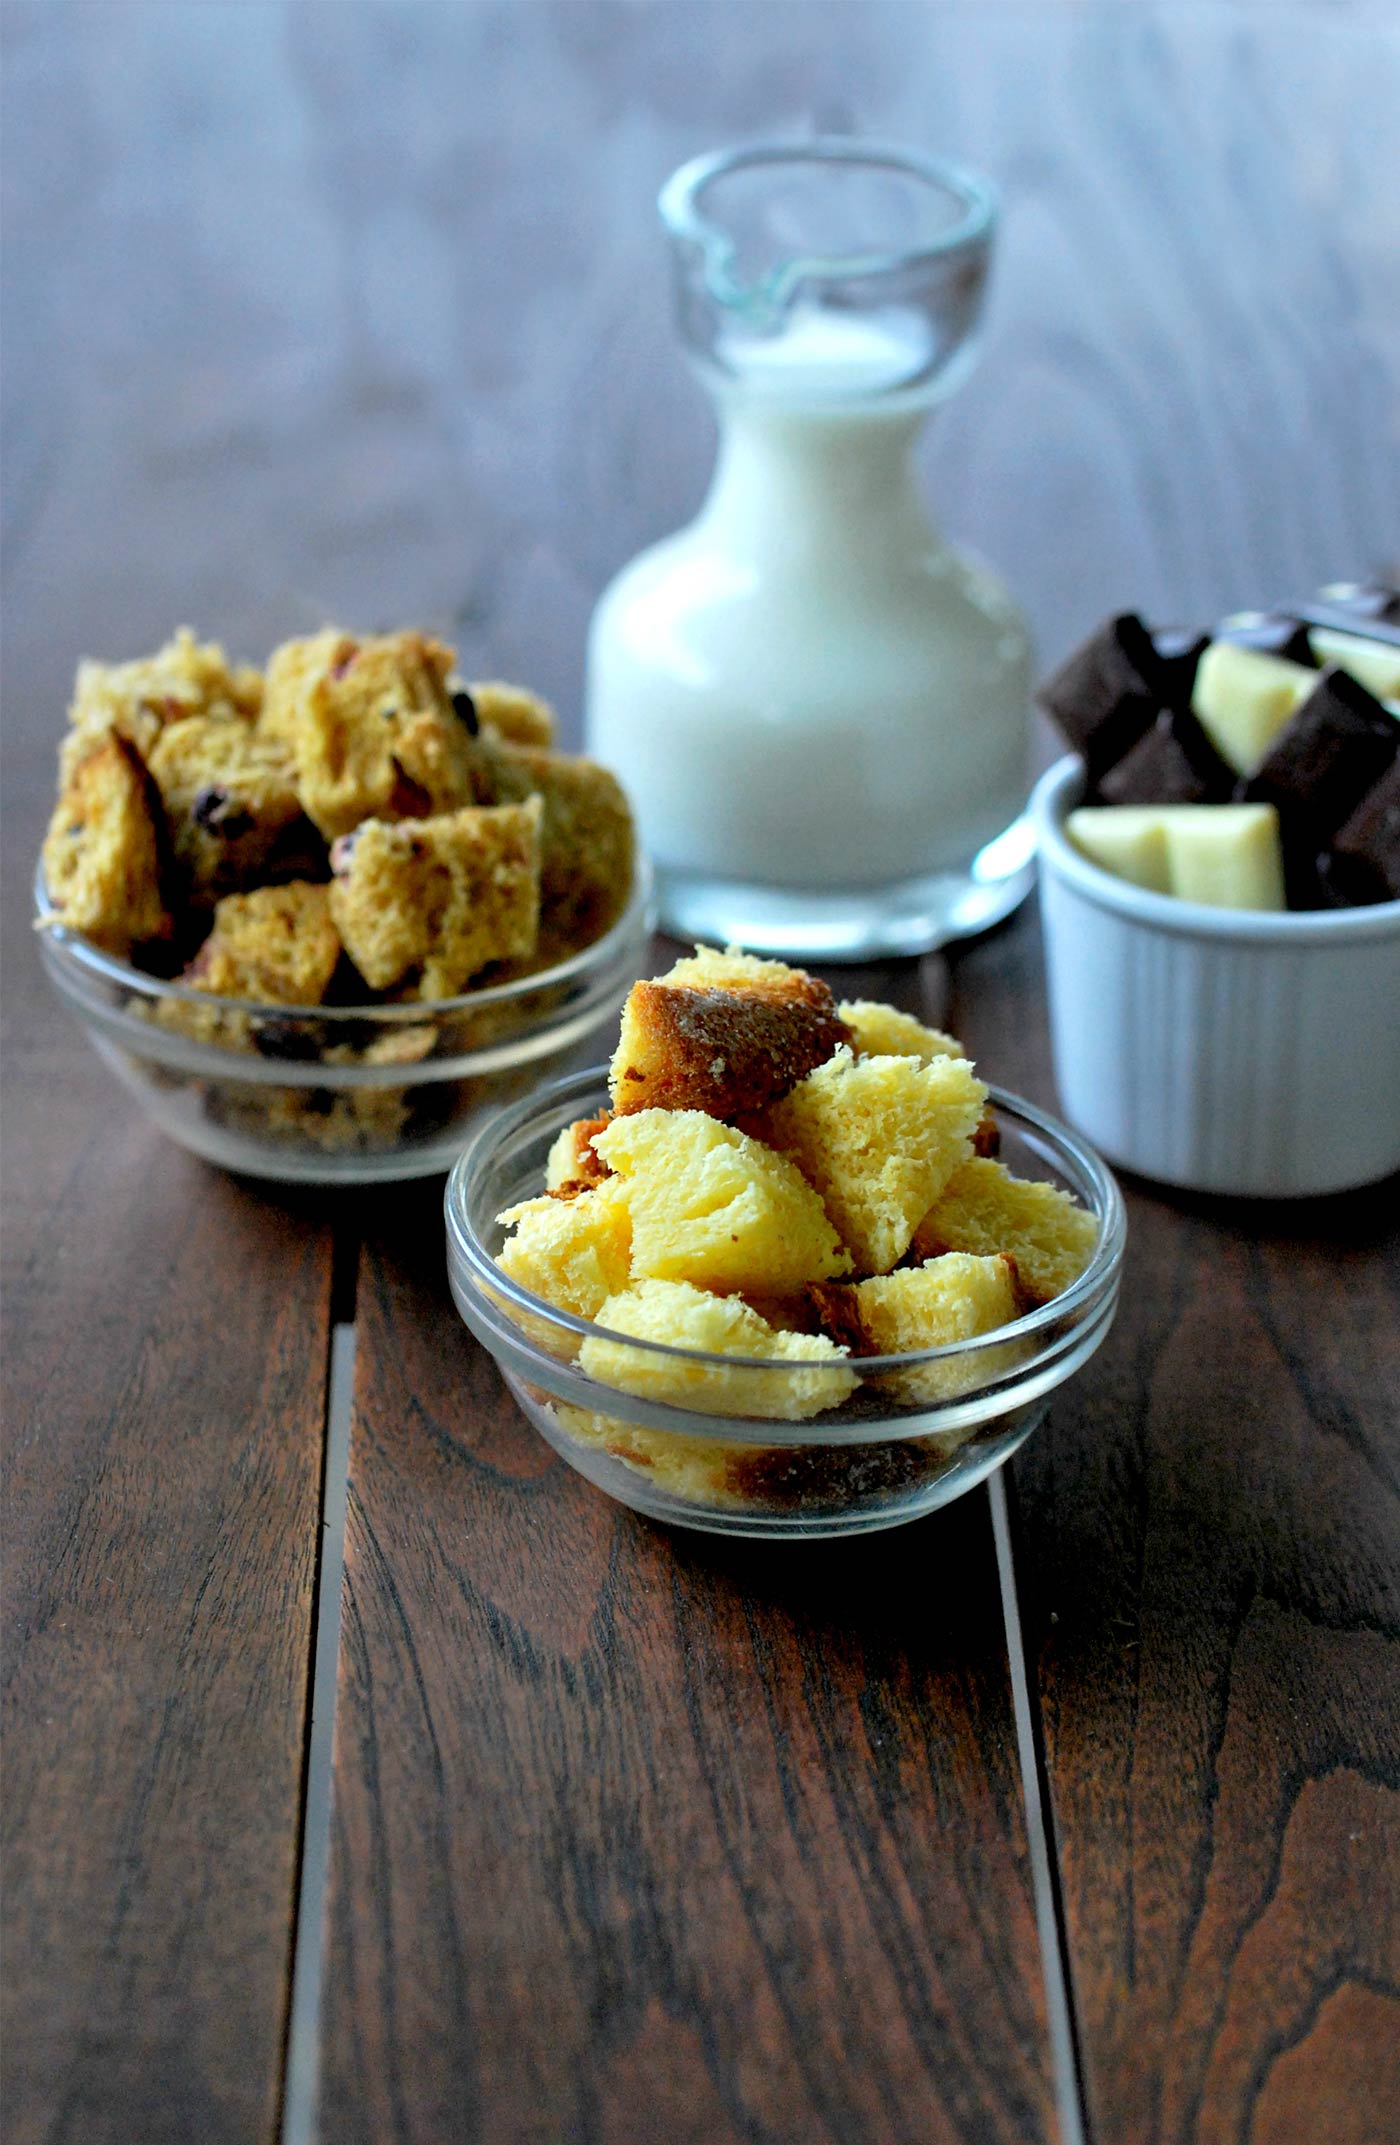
point(1071, 1811)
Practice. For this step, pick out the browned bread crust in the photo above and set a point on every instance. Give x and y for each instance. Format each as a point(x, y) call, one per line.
point(574, 1164)
point(725, 1051)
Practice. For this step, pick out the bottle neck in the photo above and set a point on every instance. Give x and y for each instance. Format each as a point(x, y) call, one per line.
point(791, 481)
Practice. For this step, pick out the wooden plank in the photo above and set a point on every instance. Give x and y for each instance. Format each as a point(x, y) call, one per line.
point(166, 1334)
point(641, 1835)
point(686, 1838)
point(1208, 1550)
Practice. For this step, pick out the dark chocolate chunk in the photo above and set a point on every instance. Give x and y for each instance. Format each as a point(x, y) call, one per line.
point(1175, 763)
point(1363, 864)
point(464, 707)
point(1279, 633)
point(1333, 748)
point(1110, 691)
point(1179, 651)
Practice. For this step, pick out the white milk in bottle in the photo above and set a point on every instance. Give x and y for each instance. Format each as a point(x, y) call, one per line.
point(818, 707)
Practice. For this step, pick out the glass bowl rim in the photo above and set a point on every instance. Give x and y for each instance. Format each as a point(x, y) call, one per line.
point(71, 946)
point(679, 206)
point(479, 1271)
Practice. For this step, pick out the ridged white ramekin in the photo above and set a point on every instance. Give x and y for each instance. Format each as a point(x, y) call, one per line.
point(1220, 1050)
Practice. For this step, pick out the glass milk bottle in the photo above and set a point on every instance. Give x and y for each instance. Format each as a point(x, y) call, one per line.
point(818, 707)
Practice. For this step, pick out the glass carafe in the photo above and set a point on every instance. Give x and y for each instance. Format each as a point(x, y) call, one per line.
point(818, 706)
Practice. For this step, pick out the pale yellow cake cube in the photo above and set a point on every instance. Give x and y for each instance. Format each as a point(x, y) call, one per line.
point(713, 1207)
point(985, 1210)
point(576, 1253)
point(879, 1138)
point(947, 1299)
point(679, 1316)
point(881, 1031)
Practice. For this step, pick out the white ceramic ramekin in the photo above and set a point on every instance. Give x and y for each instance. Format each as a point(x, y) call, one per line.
point(1218, 1049)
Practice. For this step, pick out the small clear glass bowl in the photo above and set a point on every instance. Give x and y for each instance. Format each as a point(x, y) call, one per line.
point(339, 1094)
point(877, 1459)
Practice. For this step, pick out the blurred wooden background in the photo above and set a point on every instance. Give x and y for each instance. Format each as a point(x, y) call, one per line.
point(361, 310)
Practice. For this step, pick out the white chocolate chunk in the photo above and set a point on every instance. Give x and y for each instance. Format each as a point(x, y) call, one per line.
point(1227, 856)
point(1242, 698)
point(1127, 839)
point(1373, 664)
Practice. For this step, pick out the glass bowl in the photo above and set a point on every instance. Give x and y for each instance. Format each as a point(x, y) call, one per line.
point(339, 1094)
point(916, 1431)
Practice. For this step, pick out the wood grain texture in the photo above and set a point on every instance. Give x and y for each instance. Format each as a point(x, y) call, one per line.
point(358, 311)
point(641, 1836)
point(1209, 1562)
point(165, 1349)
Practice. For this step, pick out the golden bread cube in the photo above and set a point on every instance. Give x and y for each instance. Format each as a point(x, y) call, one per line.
point(137, 700)
point(679, 1316)
point(984, 1209)
point(713, 1207)
point(376, 733)
point(728, 1048)
point(232, 807)
point(572, 1163)
point(881, 1031)
point(576, 1253)
point(291, 669)
point(588, 842)
point(879, 1138)
point(945, 1300)
point(102, 853)
point(694, 1469)
point(274, 946)
point(518, 716)
point(437, 899)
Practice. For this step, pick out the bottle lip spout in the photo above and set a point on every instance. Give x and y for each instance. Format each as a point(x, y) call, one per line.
point(762, 302)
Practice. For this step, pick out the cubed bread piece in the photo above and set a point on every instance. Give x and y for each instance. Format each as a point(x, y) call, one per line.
point(518, 716)
point(102, 854)
point(573, 1252)
point(680, 1316)
point(881, 1031)
point(137, 700)
point(377, 736)
point(588, 845)
point(231, 803)
point(984, 1209)
point(713, 1207)
point(879, 1138)
point(573, 1163)
point(438, 898)
point(291, 669)
point(945, 1300)
point(695, 1469)
point(276, 946)
point(729, 1049)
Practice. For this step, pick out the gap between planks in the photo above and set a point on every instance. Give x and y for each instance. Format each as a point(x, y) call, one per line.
point(1054, 1952)
point(308, 1963)
point(304, 2020)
